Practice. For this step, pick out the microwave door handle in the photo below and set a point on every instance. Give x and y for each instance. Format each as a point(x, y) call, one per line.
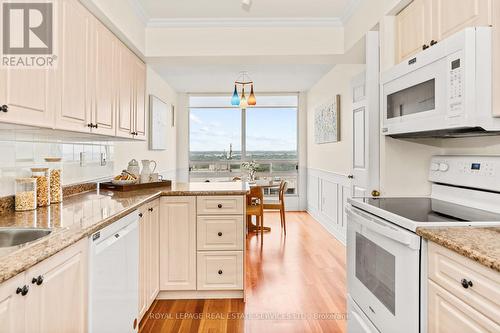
point(382, 228)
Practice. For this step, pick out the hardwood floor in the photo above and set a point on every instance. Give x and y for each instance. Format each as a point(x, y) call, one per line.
point(295, 283)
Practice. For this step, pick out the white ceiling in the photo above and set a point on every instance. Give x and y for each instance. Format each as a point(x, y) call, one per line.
point(270, 74)
point(212, 9)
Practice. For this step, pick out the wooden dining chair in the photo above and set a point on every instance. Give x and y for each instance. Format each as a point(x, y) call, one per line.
point(255, 207)
point(280, 204)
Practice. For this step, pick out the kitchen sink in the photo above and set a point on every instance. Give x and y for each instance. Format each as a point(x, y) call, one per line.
point(18, 236)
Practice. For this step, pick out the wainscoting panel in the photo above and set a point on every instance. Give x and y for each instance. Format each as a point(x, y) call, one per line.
point(327, 194)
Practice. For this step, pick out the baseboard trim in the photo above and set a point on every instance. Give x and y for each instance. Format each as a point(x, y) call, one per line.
point(200, 294)
point(325, 223)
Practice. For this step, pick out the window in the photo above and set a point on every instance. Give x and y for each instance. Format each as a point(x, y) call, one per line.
point(222, 137)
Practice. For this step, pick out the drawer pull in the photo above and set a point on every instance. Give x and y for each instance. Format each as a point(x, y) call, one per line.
point(219, 205)
point(23, 291)
point(466, 283)
point(220, 234)
point(220, 271)
point(38, 280)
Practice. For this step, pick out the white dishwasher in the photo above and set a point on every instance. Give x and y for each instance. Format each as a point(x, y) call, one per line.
point(114, 277)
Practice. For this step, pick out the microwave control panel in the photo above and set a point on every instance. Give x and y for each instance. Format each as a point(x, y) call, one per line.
point(469, 171)
point(456, 80)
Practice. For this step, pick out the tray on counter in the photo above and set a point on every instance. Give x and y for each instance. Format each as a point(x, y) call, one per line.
point(133, 187)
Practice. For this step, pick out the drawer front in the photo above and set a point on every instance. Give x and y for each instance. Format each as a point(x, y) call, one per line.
point(448, 269)
point(222, 232)
point(220, 270)
point(220, 205)
point(447, 313)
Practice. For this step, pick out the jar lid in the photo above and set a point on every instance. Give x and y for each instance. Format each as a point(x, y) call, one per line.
point(39, 169)
point(25, 180)
point(52, 159)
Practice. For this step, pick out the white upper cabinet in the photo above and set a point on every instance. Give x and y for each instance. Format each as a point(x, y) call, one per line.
point(98, 85)
point(450, 16)
point(125, 78)
point(74, 67)
point(425, 22)
point(104, 87)
point(411, 29)
point(25, 96)
point(140, 99)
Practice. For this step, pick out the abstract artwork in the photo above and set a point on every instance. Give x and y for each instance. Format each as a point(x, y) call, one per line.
point(327, 121)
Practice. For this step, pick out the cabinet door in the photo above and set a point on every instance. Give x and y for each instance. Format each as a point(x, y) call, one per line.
point(125, 112)
point(448, 314)
point(103, 84)
point(178, 243)
point(140, 114)
point(12, 305)
point(59, 303)
point(450, 16)
point(412, 29)
point(29, 95)
point(154, 252)
point(74, 113)
point(143, 259)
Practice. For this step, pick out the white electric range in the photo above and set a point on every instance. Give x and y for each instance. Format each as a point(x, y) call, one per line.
point(386, 259)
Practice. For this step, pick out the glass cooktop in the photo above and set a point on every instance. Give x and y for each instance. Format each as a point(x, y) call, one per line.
point(431, 210)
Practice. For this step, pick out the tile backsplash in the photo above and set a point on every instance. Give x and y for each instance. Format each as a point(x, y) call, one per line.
point(81, 161)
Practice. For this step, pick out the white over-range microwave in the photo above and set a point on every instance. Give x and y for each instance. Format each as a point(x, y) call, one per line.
point(444, 91)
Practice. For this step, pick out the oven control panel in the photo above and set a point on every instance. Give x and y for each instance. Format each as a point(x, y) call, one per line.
point(481, 172)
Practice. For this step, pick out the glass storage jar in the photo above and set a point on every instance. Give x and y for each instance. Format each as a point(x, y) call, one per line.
point(42, 177)
point(55, 166)
point(25, 198)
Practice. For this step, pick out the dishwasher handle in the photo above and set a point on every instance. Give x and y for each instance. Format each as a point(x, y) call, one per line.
point(108, 242)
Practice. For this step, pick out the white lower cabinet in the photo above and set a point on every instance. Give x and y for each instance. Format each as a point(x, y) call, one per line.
point(178, 243)
point(463, 295)
point(49, 297)
point(149, 253)
point(220, 270)
point(201, 245)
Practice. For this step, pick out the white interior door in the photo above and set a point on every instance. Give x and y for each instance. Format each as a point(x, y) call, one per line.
point(366, 119)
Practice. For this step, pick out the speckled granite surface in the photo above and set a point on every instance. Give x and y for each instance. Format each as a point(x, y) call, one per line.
point(80, 215)
point(479, 244)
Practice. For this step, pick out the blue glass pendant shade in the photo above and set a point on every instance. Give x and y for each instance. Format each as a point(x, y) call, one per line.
point(235, 100)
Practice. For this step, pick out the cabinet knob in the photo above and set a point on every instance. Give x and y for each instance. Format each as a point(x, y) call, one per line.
point(433, 42)
point(350, 176)
point(466, 283)
point(220, 272)
point(4, 108)
point(219, 205)
point(37, 280)
point(96, 126)
point(150, 209)
point(23, 291)
point(140, 214)
point(219, 233)
point(375, 193)
point(425, 47)
point(90, 125)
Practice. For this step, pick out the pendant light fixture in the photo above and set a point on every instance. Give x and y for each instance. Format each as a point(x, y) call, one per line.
point(242, 81)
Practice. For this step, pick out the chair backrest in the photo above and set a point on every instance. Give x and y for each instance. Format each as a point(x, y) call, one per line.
point(256, 192)
point(282, 191)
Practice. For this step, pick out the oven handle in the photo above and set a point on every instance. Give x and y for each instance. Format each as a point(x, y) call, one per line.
point(384, 228)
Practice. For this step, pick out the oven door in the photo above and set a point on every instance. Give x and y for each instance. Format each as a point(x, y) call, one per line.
point(383, 271)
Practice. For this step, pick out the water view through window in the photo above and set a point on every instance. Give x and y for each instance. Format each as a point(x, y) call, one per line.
point(222, 137)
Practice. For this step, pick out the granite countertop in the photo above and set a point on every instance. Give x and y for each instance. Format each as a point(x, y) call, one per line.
point(479, 244)
point(80, 215)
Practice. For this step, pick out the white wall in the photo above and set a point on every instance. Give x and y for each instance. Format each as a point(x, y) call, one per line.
point(166, 159)
point(328, 165)
point(332, 157)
